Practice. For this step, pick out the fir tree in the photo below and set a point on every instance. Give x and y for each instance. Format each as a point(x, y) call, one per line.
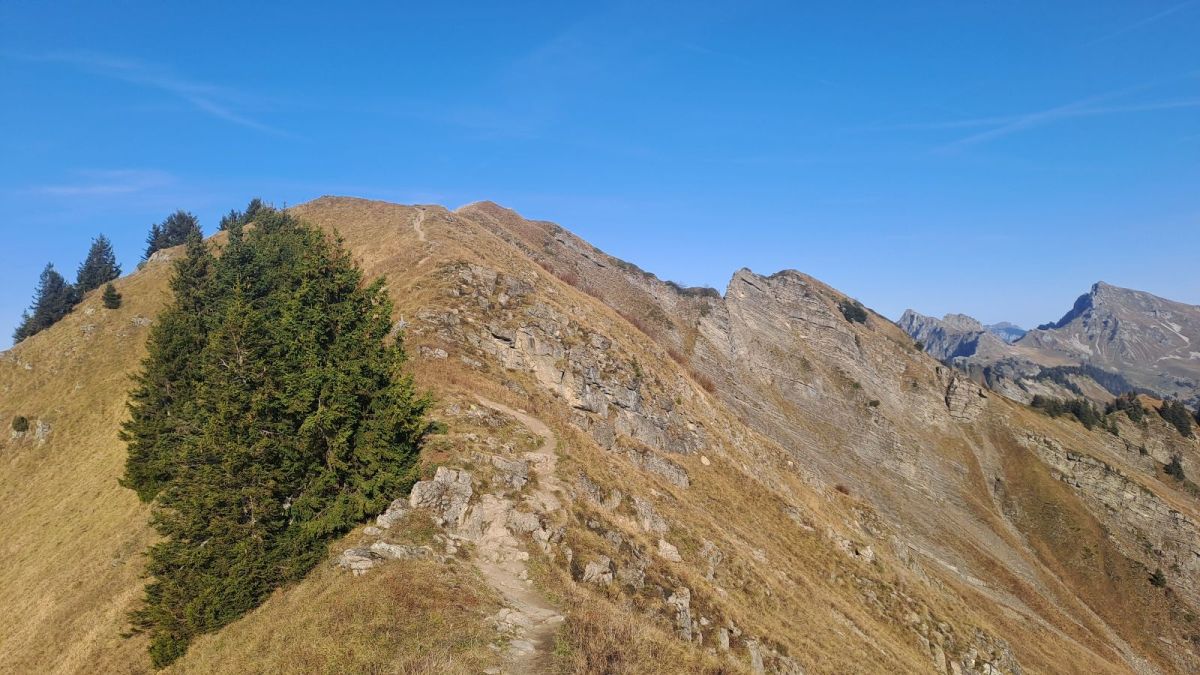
point(153, 241)
point(173, 231)
point(111, 298)
point(271, 416)
point(1178, 416)
point(99, 268)
point(235, 217)
point(52, 301)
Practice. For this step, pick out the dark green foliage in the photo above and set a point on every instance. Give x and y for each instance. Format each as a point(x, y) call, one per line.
point(1080, 408)
point(99, 268)
point(52, 301)
point(1158, 578)
point(919, 346)
point(1174, 468)
point(853, 311)
point(694, 291)
point(1113, 383)
point(1130, 404)
point(111, 298)
point(1178, 416)
point(20, 424)
point(243, 218)
point(271, 416)
point(175, 230)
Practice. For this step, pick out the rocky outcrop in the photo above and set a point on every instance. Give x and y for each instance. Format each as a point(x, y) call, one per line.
point(1144, 525)
point(445, 497)
point(1122, 338)
point(964, 399)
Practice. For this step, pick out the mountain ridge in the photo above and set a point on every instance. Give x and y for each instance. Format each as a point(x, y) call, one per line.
point(750, 473)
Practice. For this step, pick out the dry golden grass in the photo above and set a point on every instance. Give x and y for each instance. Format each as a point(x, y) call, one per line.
point(70, 559)
point(403, 617)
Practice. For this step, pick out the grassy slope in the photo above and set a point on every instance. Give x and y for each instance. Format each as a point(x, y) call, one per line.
point(70, 562)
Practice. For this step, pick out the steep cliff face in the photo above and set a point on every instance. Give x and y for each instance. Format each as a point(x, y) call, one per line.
point(656, 478)
point(953, 336)
point(1122, 340)
point(1152, 341)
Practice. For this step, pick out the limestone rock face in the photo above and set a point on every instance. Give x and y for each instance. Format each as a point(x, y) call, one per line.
point(951, 337)
point(740, 446)
point(446, 496)
point(964, 399)
point(680, 603)
point(598, 571)
point(1127, 339)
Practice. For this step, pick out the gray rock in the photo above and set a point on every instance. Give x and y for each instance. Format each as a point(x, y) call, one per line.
point(756, 657)
point(358, 560)
point(669, 470)
point(401, 551)
point(514, 472)
point(433, 352)
point(598, 572)
point(648, 518)
point(668, 551)
point(633, 576)
point(713, 557)
point(680, 602)
point(395, 513)
point(446, 496)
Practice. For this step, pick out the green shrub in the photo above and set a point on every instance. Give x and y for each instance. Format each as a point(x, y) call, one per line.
point(1079, 408)
point(853, 311)
point(1158, 578)
point(1174, 468)
point(1130, 404)
point(20, 424)
point(111, 298)
point(1175, 413)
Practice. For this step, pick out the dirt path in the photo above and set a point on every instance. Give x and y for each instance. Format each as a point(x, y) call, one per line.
point(417, 224)
point(528, 616)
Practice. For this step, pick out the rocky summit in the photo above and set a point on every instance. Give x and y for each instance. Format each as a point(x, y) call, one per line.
point(1111, 341)
point(634, 476)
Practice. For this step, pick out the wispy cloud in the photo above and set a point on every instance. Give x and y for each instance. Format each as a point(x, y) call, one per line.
point(214, 100)
point(101, 183)
point(1092, 106)
point(1143, 22)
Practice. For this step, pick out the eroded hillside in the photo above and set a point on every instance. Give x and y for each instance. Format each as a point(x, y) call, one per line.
point(634, 477)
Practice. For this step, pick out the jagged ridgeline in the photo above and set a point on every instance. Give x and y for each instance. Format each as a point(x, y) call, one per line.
point(270, 416)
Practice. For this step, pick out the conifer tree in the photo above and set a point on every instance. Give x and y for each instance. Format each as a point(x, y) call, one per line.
point(1177, 415)
point(99, 268)
point(111, 298)
point(234, 216)
point(173, 231)
point(52, 300)
point(271, 415)
point(153, 241)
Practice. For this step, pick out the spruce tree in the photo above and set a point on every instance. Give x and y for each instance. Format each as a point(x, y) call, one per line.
point(111, 298)
point(235, 217)
point(271, 415)
point(52, 300)
point(99, 268)
point(173, 231)
point(153, 241)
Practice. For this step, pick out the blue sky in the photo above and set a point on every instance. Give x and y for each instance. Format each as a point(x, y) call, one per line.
point(994, 158)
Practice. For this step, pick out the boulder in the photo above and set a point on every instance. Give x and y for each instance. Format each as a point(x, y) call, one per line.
point(598, 572)
point(446, 496)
